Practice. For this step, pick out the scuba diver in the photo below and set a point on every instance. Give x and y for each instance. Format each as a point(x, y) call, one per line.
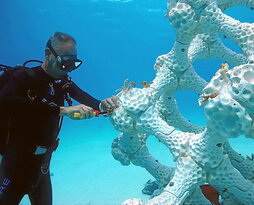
point(31, 110)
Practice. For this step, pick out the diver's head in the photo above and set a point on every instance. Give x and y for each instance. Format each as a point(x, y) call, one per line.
point(60, 55)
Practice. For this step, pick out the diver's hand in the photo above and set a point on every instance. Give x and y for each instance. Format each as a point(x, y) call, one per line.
point(109, 104)
point(84, 111)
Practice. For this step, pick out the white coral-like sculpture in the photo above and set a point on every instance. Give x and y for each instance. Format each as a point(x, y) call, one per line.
point(201, 155)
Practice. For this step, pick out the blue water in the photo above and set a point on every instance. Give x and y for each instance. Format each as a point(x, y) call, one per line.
point(117, 39)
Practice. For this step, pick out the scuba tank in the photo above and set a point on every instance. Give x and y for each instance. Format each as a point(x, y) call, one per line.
point(5, 74)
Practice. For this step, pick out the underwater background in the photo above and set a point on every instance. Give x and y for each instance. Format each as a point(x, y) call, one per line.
point(117, 40)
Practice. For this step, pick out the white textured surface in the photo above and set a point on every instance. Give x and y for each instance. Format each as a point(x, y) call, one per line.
point(227, 100)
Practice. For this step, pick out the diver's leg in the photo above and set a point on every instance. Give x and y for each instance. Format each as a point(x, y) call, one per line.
point(42, 195)
point(10, 193)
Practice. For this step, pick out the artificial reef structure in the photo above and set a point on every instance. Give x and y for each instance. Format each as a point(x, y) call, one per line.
point(202, 154)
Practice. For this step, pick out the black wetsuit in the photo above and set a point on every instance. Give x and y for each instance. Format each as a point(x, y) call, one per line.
point(29, 113)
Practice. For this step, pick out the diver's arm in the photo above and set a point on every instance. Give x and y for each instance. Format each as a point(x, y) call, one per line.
point(83, 97)
point(13, 102)
point(86, 99)
point(14, 105)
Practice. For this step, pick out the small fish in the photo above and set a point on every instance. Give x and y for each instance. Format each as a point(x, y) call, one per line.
point(210, 193)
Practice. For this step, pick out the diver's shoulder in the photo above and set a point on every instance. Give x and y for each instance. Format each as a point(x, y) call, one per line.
point(23, 73)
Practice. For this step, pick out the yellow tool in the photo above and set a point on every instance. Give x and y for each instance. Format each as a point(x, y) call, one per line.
point(76, 115)
point(96, 113)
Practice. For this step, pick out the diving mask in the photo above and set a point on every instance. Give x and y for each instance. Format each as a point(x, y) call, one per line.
point(65, 62)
